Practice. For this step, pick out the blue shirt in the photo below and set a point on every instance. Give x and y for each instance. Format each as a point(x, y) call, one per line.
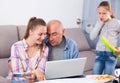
point(70, 50)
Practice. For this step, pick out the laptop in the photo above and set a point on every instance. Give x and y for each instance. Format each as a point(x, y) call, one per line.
point(65, 68)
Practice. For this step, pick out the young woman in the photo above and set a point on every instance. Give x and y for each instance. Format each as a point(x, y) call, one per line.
point(109, 27)
point(30, 54)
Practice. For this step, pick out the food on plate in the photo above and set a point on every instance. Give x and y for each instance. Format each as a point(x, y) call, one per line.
point(102, 77)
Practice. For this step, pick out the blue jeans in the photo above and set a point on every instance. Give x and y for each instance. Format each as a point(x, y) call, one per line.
point(105, 62)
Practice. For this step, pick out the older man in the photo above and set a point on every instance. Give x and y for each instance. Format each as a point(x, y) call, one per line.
point(60, 46)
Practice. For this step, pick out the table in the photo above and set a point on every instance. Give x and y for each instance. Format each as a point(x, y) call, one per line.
point(70, 80)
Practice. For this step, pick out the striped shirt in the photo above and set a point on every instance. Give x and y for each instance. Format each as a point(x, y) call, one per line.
point(22, 63)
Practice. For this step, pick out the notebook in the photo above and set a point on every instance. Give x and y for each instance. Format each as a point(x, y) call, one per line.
point(65, 68)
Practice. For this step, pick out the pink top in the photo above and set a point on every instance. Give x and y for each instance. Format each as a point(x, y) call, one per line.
point(20, 61)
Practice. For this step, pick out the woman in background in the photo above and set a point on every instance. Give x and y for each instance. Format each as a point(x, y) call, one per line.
point(109, 27)
point(30, 54)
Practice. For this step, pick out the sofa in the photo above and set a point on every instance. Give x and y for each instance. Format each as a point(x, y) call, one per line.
point(9, 34)
point(79, 37)
point(84, 49)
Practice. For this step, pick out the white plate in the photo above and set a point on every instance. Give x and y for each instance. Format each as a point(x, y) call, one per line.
point(100, 78)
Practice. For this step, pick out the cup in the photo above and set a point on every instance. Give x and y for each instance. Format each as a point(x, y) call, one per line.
point(117, 72)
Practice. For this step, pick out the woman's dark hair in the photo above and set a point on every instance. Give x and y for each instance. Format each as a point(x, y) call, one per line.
point(33, 22)
point(107, 5)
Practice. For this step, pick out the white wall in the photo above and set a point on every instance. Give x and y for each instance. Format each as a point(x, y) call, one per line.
point(18, 12)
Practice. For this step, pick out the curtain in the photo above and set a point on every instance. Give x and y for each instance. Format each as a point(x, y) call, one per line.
point(116, 8)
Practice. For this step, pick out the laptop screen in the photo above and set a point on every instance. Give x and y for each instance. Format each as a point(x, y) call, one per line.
point(65, 68)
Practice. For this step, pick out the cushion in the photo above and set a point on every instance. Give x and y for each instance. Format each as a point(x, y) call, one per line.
point(8, 36)
point(77, 35)
point(90, 59)
point(4, 70)
point(21, 29)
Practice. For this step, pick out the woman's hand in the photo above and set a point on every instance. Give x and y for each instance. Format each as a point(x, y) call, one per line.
point(39, 75)
point(30, 76)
